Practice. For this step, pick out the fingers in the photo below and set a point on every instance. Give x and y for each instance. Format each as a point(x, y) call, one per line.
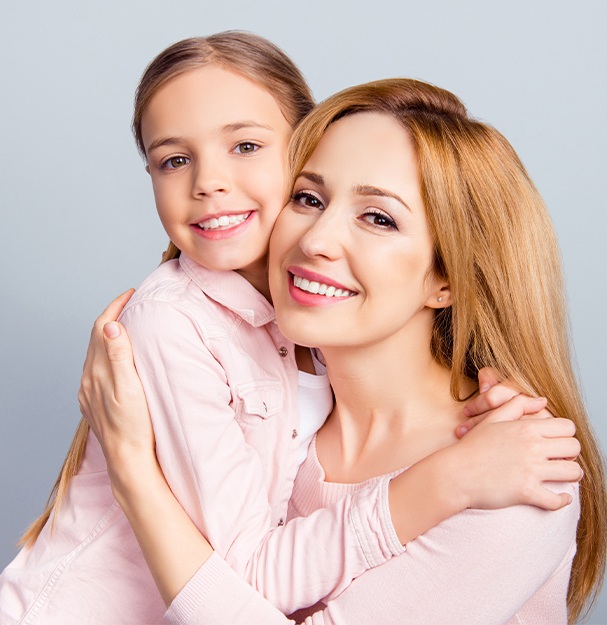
point(554, 428)
point(515, 408)
point(120, 356)
point(546, 499)
point(487, 377)
point(493, 398)
point(115, 307)
point(562, 471)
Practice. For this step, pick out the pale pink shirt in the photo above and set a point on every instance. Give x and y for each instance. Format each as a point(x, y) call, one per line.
point(221, 384)
point(480, 567)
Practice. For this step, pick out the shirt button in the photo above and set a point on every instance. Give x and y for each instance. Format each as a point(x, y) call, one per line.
point(281, 522)
point(283, 351)
point(294, 434)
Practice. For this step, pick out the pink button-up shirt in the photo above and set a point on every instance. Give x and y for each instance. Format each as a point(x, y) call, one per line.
point(221, 384)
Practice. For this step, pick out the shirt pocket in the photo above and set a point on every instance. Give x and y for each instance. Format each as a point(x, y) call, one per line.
point(258, 406)
point(259, 400)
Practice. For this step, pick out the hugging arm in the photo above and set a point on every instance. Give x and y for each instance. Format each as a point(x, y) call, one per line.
point(478, 567)
point(219, 479)
point(173, 547)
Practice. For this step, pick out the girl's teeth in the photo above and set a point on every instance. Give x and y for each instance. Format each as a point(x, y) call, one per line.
point(223, 221)
point(318, 288)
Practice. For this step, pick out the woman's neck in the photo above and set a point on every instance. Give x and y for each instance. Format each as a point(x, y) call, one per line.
point(393, 406)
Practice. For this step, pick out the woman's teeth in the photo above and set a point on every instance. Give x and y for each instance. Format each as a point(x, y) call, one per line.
point(318, 288)
point(225, 221)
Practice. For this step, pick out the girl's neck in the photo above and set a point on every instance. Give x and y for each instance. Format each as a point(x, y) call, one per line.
point(257, 275)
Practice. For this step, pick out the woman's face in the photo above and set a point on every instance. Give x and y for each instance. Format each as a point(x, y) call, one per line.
point(216, 146)
point(351, 254)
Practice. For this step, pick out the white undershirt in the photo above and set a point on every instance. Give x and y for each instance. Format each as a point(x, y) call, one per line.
point(314, 402)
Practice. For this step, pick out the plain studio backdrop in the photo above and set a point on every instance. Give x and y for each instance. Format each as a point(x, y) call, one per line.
point(78, 219)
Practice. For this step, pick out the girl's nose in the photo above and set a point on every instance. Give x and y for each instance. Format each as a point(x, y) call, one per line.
point(210, 177)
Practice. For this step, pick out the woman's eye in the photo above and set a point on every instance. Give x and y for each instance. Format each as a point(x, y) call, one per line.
point(381, 220)
point(246, 147)
point(307, 199)
point(175, 162)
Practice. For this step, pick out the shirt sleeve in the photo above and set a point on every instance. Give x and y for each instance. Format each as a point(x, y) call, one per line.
point(219, 479)
point(479, 567)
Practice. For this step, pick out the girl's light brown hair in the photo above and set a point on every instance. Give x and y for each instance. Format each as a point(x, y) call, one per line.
point(495, 245)
point(244, 53)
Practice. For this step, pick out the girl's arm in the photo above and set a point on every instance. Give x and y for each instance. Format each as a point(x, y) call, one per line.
point(219, 478)
point(154, 527)
point(480, 566)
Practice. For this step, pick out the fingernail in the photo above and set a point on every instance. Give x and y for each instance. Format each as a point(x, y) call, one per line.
point(111, 330)
point(461, 430)
point(484, 387)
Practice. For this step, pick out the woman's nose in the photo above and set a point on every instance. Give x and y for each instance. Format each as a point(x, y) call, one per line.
point(326, 235)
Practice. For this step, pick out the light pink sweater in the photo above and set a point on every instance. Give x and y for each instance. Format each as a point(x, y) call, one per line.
point(479, 567)
point(221, 384)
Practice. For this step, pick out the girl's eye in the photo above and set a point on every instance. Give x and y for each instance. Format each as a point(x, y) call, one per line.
point(175, 162)
point(308, 200)
point(379, 219)
point(246, 147)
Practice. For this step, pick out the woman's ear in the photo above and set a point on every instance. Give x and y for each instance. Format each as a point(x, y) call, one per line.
point(440, 297)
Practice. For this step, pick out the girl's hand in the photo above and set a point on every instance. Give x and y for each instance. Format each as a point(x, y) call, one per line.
point(111, 396)
point(492, 394)
point(506, 460)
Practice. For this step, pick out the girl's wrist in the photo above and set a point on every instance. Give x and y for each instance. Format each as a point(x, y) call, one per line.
point(133, 474)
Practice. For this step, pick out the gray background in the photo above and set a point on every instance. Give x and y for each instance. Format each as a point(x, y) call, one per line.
point(77, 216)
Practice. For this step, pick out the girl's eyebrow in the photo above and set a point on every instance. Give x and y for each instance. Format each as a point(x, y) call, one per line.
point(157, 143)
point(244, 124)
point(228, 128)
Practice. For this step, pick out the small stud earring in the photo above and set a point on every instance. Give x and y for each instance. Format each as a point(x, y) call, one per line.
point(440, 299)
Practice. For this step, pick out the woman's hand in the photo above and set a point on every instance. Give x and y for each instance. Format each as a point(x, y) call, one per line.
point(111, 396)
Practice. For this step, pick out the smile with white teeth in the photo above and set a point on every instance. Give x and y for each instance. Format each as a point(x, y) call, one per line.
point(225, 221)
point(318, 288)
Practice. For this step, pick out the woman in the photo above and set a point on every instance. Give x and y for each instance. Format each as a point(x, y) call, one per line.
point(430, 224)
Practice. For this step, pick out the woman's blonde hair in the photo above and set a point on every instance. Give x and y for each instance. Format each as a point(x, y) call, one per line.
point(244, 53)
point(495, 245)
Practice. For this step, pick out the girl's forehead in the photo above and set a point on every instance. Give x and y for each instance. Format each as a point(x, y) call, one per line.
point(211, 99)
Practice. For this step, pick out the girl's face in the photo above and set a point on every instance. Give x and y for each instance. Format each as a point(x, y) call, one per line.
point(351, 254)
point(216, 146)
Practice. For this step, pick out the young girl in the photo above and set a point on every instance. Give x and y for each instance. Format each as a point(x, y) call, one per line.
point(428, 220)
point(213, 118)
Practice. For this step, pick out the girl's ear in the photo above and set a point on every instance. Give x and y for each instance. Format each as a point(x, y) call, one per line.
point(440, 297)
point(147, 168)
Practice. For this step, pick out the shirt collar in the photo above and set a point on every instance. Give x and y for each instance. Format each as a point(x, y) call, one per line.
point(231, 290)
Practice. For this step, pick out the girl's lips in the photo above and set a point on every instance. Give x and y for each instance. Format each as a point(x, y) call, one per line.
point(210, 230)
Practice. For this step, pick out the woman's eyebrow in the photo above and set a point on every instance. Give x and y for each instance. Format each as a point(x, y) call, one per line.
point(312, 177)
point(365, 189)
